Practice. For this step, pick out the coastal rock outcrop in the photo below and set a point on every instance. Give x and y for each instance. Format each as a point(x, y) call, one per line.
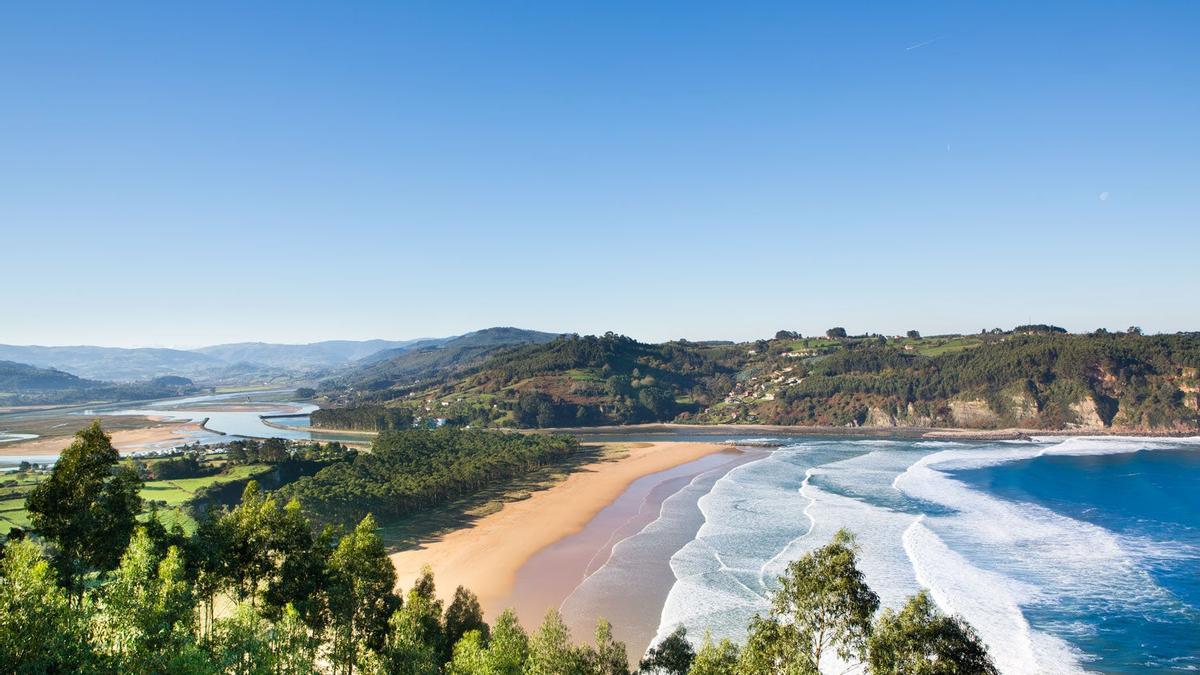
point(973, 413)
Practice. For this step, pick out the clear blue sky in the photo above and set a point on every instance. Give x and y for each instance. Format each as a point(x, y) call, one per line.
point(180, 175)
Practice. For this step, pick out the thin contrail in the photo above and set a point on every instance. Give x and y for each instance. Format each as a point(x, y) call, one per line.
point(922, 44)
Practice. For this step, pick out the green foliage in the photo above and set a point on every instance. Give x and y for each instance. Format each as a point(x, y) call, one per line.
point(551, 651)
point(361, 579)
point(672, 656)
point(40, 632)
point(508, 648)
point(920, 640)
point(569, 381)
point(187, 465)
point(416, 639)
point(715, 658)
point(146, 614)
point(87, 507)
point(470, 655)
point(1134, 380)
point(362, 418)
point(408, 471)
point(464, 615)
point(606, 656)
point(823, 605)
point(248, 643)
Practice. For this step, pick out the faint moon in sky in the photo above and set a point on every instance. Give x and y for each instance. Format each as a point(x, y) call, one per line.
point(1104, 196)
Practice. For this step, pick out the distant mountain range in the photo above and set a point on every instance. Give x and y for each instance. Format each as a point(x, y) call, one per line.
point(328, 354)
point(259, 361)
point(113, 363)
point(25, 384)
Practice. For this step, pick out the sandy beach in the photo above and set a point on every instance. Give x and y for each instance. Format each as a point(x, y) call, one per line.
point(486, 556)
point(124, 440)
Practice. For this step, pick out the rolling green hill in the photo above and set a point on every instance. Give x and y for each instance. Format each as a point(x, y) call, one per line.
point(380, 375)
point(1036, 377)
point(19, 377)
point(22, 384)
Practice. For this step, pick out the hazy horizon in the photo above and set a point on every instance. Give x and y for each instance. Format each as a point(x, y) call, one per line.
point(189, 176)
point(766, 335)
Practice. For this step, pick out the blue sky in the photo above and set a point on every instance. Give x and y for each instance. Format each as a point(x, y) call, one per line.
point(179, 176)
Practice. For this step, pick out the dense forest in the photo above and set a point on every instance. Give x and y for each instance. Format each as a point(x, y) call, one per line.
point(570, 381)
point(1035, 376)
point(363, 418)
point(94, 590)
point(1049, 380)
point(408, 471)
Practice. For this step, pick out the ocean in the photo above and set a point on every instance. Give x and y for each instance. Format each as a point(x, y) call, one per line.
point(1067, 555)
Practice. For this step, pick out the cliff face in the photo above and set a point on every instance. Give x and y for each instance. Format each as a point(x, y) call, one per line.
point(1089, 417)
point(974, 414)
point(1020, 410)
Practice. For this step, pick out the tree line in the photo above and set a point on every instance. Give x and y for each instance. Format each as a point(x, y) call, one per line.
point(415, 469)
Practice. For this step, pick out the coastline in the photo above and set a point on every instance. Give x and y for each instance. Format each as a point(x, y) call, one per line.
point(487, 556)
point(269, 420)
point(124, 440)
point(965, 433)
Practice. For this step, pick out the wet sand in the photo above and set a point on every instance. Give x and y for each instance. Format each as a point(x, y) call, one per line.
point(125, 440)
point(487, 556)
point(619, 566)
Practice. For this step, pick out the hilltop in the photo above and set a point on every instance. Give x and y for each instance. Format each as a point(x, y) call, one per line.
point(428, 359)
point(1034, 376)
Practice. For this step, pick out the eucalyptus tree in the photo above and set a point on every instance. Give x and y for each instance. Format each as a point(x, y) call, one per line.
point(606, 656)
point(87, 508)
point(508, 646)
point(463, 615)
point(822, 607)
point(361, 579)
point(715, 658)
point(40, 631)
point(551, 651)
point(672, 656)
point(921, 640)
point(146, 618)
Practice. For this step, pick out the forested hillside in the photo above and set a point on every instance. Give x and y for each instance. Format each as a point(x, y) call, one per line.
point(22, 384)
point(570, 381)
point(1035, 376)
point(1045, 380)
point(394, 372)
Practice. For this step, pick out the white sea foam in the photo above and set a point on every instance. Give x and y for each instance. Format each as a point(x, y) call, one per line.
point(750, 514)
point(990, 602)
point(1059, 561)
point(765, 514)
point(988, 559)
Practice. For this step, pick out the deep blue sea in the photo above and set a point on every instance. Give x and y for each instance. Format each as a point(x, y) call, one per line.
point(1067, 555)
point(1149, 502)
